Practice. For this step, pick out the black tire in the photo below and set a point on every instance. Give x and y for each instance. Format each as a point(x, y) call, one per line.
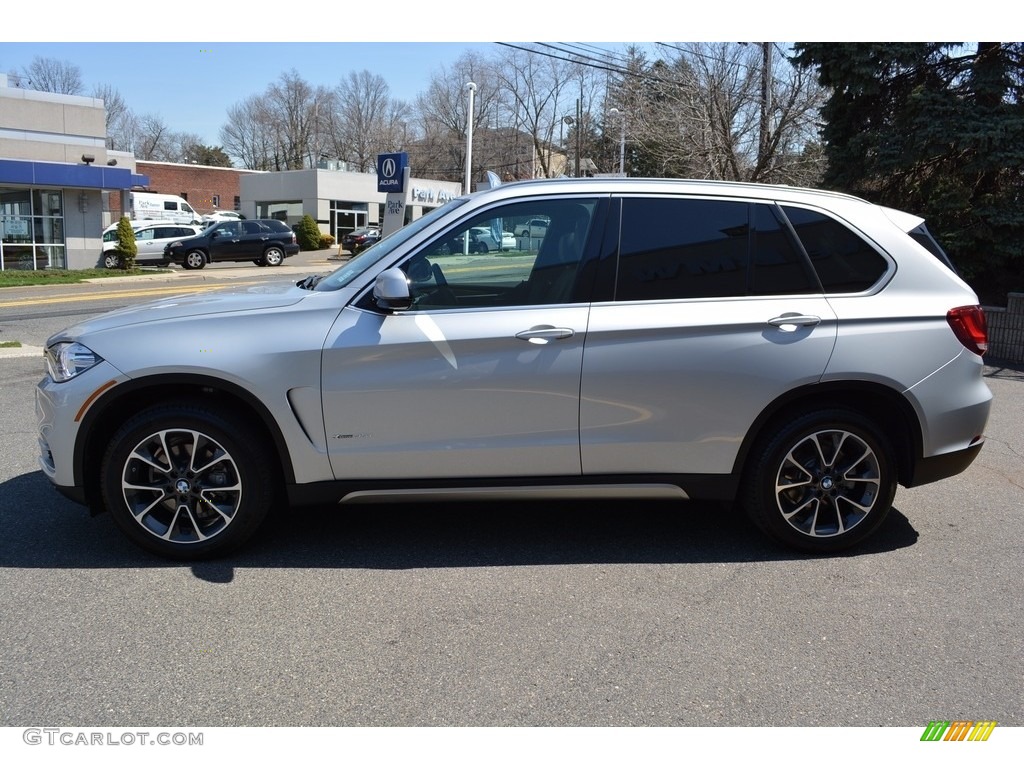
point(194, 260)
point(525, 233)
point(112, 260)
point(185, 482)
point(273, 256)
point(822, 483)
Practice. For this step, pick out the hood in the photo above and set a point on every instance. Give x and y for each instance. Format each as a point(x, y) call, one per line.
point(250, 299)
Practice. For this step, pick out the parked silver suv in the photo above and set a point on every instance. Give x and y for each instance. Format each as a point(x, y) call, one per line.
point(800, 352)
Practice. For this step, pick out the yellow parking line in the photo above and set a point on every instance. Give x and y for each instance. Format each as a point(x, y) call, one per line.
point(72, 297)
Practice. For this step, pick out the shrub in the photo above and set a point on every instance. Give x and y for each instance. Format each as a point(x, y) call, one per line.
point(308, 234)
point(126, 247)
point(326, 241)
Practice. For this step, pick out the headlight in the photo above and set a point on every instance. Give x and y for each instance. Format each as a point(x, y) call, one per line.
point(67, 359)
point(176, 244)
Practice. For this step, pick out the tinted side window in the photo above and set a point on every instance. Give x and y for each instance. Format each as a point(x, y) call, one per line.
point(682, 249)
point(779, 267)
point(845, 263)
point(275, 226)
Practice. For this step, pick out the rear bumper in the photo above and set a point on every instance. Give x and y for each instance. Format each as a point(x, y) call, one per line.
point(933, 468)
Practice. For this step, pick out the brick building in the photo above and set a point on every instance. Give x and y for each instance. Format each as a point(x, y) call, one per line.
point(206, 187)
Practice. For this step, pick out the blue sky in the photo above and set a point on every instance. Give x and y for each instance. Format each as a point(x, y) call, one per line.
point(192, 85)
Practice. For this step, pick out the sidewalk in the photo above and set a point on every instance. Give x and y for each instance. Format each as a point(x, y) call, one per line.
point(304, 263)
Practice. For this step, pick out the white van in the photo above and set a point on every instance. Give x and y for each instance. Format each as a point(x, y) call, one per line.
point(151, 205)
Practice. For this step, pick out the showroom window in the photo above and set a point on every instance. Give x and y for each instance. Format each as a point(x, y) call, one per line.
point(32, 229)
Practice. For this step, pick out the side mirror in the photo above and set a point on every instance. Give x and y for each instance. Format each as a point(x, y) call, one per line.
point(391, 290)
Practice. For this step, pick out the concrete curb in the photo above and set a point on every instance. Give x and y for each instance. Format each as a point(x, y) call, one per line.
point(22, 351)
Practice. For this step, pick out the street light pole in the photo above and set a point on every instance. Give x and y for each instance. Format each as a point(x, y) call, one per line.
point(471, 87)
point(579, 126)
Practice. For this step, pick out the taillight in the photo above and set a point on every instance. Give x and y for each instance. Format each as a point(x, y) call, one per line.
point(968, 323)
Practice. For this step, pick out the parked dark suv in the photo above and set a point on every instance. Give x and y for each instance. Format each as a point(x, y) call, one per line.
point(266, 242)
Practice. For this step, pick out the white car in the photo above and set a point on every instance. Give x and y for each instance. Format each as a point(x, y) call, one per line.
point(534, 228)
point(150, 239)
point(482, 240)
point(210, 218)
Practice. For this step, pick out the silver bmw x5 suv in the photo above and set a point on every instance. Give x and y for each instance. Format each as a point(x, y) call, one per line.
point(796, 351)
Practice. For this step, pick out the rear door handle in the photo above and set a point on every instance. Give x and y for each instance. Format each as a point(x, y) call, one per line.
point(790, 322)
point(542, 334)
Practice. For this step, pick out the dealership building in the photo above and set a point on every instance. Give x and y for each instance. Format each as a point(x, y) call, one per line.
point(54, 169)
point(60, 186)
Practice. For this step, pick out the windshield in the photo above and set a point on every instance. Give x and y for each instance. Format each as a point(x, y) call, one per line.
point(344, 275)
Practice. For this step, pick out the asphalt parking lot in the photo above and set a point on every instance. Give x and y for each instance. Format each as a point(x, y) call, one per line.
point(597, 614)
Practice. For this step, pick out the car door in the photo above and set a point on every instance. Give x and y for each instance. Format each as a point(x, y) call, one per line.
point(715, 312)
point(146, 244)
point(480, 377)
point(225, 241)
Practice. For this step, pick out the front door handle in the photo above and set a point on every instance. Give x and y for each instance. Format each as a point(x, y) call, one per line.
point(790, 322)
point(542, 334)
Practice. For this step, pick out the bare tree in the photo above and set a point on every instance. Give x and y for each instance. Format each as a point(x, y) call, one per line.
point(115, 109)
point(281, 129)
point(50, 75)
point(365, 120)
point(294, 107)
point(247, 135)
point(442, 119)
point(539, 91)
point(710, 110)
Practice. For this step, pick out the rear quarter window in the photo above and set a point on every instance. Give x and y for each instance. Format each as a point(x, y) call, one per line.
point(844, 261)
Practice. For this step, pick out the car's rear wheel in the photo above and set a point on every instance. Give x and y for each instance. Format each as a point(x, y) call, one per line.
point(112, 260)
point(185, 482)
point(273, 256)
point(194, 260)
point(823, 482)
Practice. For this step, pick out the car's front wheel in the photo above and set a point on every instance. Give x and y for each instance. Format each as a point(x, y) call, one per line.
point(112, 260)
point(823, 482)
point(185, 482)
point(273, 256)
point(194, 260)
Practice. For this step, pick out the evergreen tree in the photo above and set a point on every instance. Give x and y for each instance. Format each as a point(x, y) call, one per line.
point(936, 129)
point(126, 246)
point(308, 234)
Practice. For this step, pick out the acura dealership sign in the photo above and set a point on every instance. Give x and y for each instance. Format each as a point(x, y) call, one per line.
point(391, 172)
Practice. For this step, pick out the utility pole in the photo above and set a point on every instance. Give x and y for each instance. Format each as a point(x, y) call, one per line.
point(766, 106)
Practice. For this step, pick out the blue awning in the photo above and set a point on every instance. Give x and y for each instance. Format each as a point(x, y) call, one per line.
point(69, 175)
